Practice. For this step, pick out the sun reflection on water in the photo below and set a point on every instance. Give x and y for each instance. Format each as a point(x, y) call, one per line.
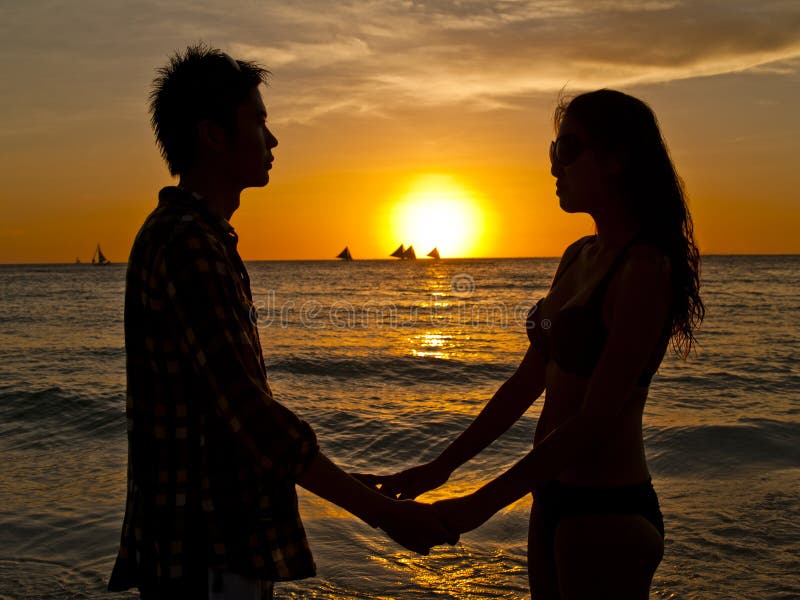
point(432, 345)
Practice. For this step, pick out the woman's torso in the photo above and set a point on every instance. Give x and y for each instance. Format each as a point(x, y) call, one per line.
point(590, 279)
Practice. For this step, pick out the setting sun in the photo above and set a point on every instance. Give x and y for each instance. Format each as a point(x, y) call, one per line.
point(436, 211)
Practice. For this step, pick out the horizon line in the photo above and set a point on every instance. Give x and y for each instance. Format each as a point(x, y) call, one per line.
point(391, 259)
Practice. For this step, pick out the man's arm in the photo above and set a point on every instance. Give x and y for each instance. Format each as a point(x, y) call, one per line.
point(212, 318)
point(409, 523)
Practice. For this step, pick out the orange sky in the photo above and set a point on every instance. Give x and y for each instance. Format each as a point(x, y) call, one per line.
point(369, 102)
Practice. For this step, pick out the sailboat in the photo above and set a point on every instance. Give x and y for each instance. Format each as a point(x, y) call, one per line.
point(99, 259)
point(434, 254)
point(404, 253)
point(345, 254)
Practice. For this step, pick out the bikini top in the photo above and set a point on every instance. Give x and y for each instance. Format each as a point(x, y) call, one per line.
point(575, 336)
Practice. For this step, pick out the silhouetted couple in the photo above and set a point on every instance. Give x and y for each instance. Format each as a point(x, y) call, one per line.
point(213, 458)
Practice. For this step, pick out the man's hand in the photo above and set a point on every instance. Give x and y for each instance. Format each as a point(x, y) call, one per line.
point(408, 484)
point(415, 526)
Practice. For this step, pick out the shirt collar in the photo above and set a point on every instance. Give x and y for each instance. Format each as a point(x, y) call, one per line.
point(176, 196)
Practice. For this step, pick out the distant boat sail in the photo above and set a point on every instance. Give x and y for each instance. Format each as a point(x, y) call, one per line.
point(434, 253)
point(404, 253)
point(345, 254)
point(99, 259)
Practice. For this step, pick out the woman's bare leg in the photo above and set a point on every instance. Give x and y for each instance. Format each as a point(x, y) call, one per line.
point(541, 562)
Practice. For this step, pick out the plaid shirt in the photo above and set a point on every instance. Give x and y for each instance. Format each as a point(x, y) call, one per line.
point(212, 457)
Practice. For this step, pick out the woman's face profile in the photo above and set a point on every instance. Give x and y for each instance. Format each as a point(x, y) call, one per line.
point(583, 182)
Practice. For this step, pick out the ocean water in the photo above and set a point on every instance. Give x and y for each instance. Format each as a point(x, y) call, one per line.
point(388, 361)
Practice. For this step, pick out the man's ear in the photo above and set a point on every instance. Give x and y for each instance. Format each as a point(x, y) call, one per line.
point(211, 135)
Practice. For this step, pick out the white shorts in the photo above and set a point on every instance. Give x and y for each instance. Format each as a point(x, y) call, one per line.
point(230, 586)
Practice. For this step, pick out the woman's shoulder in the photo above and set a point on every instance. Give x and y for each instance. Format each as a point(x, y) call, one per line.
point(576, 246)
point(645, 267)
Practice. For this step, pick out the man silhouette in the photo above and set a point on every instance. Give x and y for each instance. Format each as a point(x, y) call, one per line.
point(213, 459)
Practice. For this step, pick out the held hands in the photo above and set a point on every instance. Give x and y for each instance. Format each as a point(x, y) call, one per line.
point(415, 526)
point(407, 484)
point(450, 518)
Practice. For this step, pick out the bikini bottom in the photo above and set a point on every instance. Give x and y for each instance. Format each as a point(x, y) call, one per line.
point(554, 500)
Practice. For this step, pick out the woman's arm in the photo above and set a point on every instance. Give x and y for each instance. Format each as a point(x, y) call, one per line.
point(505, 408)
point(637, 322)
point(507, 405)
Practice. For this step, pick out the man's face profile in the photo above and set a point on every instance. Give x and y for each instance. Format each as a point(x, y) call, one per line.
point(250, 148)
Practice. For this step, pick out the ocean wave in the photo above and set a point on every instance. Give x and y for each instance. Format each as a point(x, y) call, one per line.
point(401, 369)
point(27, 577)
point(760, 378)
point(723, 450)
point(52, 416)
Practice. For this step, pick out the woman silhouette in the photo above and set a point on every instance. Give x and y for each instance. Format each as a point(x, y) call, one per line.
point(617, 299)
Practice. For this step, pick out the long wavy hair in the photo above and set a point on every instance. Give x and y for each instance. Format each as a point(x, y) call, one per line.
point(652, 191)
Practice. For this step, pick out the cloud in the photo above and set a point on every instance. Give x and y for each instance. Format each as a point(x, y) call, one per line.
point(312, 56)
point(374, 56)
point(485, 54)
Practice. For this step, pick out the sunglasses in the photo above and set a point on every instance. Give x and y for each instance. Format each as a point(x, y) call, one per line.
point(566, 149)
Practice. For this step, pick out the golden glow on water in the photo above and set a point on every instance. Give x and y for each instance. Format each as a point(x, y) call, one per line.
point(455, 572)
point(432, 344)
point(438, 211)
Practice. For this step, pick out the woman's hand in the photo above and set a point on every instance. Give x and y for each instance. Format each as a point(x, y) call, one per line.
point(459, 515)
point(408, 484)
